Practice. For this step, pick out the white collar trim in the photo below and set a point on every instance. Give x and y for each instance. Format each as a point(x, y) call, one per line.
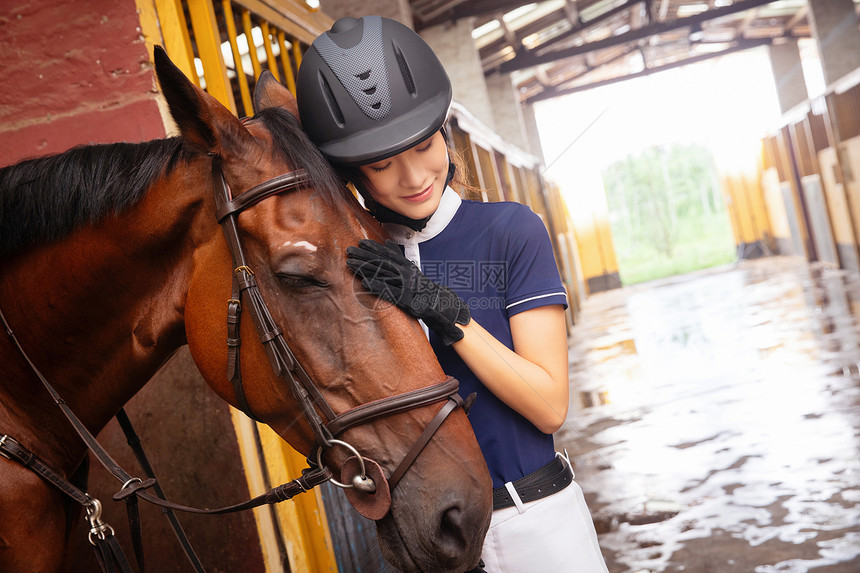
point(448, 207)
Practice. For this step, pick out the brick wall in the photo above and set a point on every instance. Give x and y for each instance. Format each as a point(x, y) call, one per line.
point(73, 72)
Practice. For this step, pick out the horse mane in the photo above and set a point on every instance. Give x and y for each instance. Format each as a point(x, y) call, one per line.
point(46, 198)
point(296, 148)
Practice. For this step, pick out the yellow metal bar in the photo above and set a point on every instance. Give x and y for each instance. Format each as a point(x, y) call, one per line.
point(297, 53)
point(848, 154)
point(252, 48)
point(286, 63)
point(177, 41)
point(209, 49)
point(237, 58)
point(151, 33)
point(148, 18)
point(267, 44)
point(776, 213)
point(266, 527)
point(604, 232)
point(592, 230)
point(302, 519)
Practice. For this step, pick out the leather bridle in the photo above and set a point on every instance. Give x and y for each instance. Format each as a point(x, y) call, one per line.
point(284, 362)
point(373, 490)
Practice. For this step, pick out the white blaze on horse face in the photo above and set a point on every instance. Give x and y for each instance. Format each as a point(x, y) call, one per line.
point(302, 245)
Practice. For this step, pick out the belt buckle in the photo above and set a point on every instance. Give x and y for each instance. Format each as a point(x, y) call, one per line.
point(3, 439)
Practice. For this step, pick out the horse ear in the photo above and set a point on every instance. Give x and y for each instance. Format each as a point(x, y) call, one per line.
point(270, 93)
point(204, 123)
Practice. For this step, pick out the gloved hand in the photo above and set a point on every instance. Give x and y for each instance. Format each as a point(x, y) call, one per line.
point(384, 271)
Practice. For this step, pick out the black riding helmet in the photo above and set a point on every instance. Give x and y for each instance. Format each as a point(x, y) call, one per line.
point(370, 88)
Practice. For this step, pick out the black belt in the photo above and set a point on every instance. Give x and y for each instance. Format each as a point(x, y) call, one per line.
point(553, 477)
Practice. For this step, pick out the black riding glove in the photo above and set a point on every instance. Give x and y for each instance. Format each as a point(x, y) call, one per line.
point(384, 271)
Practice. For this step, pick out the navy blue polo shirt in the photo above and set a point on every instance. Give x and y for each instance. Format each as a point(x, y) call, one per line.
point(498, 258)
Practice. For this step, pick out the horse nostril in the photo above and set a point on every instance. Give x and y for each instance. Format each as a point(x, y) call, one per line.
point(458, 539)
point(452, 538)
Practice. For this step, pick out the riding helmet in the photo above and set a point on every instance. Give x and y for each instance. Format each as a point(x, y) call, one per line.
point(370, 88)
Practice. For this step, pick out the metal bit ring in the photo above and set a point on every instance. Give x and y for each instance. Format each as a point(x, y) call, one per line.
point(351, 449)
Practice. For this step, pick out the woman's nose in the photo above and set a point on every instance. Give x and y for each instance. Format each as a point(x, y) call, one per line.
point(411, 174)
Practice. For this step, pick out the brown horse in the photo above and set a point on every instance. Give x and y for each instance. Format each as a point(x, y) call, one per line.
point(111, 258)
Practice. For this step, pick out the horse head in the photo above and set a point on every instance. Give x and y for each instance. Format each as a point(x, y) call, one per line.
point(321, 333)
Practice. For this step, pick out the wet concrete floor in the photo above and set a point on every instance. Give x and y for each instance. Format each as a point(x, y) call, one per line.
point(715, 420)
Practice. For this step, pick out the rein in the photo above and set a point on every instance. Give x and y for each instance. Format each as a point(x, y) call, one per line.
point(108, 551)
point(370, 491)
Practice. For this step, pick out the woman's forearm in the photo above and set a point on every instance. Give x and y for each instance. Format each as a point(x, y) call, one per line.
point(531, 380)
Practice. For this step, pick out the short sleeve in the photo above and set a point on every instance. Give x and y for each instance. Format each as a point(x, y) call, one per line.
point(533, 278)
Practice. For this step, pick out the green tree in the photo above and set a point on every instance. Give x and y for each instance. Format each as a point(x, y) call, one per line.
point(666, 212)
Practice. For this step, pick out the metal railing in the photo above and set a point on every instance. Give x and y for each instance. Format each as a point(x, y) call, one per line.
point(224, 46)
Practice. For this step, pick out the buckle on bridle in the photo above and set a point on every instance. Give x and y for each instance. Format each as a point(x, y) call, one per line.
point(243, 268)
point(3, 439)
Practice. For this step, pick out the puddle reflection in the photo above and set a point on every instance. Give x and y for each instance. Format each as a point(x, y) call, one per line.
point(733, 397)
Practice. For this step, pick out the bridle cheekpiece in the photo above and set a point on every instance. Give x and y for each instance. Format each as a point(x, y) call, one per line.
point(285, 364)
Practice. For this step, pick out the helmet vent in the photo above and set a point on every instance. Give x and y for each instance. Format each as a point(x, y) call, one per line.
point(358, 69)
point(405, 72)
point(332, 102)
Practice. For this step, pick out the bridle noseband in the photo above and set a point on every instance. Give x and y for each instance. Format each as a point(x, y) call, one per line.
point(284, 362)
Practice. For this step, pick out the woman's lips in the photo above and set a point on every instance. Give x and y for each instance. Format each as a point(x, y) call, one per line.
point(418, 197)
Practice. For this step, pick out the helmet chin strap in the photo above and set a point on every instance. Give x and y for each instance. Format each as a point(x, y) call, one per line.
point(385, 215)
point(451, 170)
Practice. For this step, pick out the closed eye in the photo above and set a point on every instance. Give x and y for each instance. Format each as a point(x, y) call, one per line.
point(426, 147)
point(300, 282)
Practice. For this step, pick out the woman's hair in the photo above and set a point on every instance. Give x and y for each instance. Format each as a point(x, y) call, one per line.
point(460, 182)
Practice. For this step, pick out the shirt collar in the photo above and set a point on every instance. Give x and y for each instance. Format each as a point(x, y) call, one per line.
point(438, 221)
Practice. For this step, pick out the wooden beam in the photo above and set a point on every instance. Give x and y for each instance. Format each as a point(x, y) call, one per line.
point(443, 9)
point(522, 61)
point(571, 10)
point(747, 20)
point(469, 9)
point(510, 35)
point(798, 16)
point(581, 26)
point(740, 46)
point(663, 10)
point(298, 21)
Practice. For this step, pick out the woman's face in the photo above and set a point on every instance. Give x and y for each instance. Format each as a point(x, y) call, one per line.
point(411, 182)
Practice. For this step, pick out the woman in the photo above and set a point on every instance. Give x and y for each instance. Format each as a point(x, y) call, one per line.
point(374, 97)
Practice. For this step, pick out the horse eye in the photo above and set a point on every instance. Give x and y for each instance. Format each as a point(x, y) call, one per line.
point(300, 282)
